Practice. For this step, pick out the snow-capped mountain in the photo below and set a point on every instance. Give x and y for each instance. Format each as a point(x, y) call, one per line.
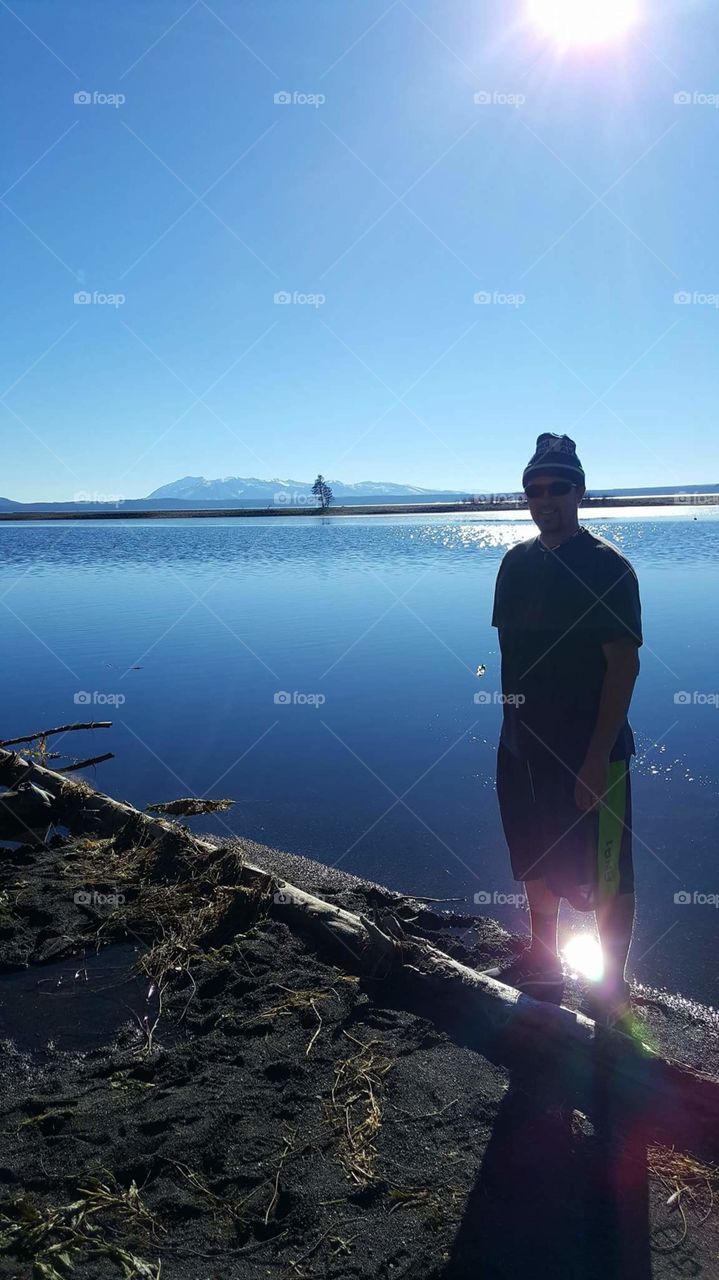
point(232, 487)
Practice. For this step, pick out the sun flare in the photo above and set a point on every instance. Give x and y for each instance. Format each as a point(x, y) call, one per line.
point(583, 955)
point(584, 22)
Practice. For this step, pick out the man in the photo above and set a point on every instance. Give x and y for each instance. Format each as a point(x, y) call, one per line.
point(569, 623)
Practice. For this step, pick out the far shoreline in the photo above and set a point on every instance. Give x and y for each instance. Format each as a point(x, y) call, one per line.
point(683, 500)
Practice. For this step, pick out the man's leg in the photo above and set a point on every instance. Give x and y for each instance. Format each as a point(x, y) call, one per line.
point(615, 922)
point(543, 915)
point(537, 970)
point(615, 906)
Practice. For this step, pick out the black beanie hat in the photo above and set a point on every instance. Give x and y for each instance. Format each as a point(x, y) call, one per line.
point(556, 456)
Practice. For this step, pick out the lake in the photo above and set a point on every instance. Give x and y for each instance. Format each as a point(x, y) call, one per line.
point(322, 673)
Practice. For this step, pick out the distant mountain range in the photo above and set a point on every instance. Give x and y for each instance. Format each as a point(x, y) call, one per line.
point(196, 493)
point(233, 487)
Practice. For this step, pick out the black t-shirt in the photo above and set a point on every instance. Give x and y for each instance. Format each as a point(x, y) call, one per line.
point(554, 609)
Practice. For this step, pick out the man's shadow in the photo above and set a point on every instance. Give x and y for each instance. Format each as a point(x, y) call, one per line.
point(555, 1196)
point(560, 1195)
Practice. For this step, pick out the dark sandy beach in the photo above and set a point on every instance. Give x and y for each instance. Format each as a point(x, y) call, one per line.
point(285, 1118)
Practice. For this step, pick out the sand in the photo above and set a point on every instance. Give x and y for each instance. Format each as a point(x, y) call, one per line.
point(287, 1119)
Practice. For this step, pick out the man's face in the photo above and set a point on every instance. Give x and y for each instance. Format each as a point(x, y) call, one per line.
point(554, 513)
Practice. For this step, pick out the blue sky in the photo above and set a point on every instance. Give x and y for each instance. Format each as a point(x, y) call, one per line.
point(391, 203)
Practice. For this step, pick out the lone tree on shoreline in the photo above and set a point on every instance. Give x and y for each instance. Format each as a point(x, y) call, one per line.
point(322, 491)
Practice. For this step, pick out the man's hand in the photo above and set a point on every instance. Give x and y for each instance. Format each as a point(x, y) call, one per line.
point(591, 784)
point(622, 667)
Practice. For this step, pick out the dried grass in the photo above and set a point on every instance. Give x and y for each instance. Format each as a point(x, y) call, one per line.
point(356, 1110)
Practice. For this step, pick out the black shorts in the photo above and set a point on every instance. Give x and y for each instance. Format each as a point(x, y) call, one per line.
point(582, 856)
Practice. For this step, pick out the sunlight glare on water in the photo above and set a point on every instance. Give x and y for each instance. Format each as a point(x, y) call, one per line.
point(478, 535)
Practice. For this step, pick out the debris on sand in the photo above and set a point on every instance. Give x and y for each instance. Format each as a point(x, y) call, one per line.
point(190, 806)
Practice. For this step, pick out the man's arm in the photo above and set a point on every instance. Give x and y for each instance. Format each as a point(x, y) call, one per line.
point(622, 660)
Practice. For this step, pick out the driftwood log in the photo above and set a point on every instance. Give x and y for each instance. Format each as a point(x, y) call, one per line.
point(60, 728)
point(546, 1045)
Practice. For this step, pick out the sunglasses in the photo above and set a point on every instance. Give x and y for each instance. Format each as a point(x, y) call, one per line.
point(557, 489)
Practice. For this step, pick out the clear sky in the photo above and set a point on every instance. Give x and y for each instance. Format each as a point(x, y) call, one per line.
point(576, 192)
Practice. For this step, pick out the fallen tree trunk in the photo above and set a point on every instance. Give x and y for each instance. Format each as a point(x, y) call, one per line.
point(586, 1065)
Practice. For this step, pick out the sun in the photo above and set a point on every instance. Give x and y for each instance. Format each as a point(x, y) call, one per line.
point(584, 22)
point(583, 955)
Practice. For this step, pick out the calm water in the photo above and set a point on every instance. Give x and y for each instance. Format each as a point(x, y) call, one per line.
point(379, 760)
